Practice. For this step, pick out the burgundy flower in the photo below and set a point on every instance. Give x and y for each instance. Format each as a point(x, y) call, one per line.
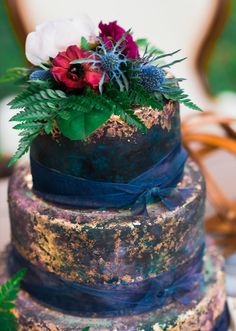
point(75, 76)
point(112, 32)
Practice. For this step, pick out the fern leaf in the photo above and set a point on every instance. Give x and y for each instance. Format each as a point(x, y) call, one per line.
point(102, 103)
point(64, 114)
point(130, 118)
point(27, 133)
point(183, 98)
point(188, 103)
point(30, 115)
point(121, 104)
point(9, 291)
point(8, 294)
point(24, 145)
point(22, 96)
point(87, 103)
point(28, 126)
point(41, 84)
point(42, 97)
point(14, 74)
point(48, 127)
point(139, 96)
point(77, 103)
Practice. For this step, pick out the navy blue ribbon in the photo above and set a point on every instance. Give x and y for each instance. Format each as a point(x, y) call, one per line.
point(157, 183)
point(223, 321)
point(183, 285)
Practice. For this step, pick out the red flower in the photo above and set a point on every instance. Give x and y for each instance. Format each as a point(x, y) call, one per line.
point(111, 33)
point(75, 76)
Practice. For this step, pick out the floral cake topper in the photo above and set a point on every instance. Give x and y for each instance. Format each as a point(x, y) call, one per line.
point(79, 79)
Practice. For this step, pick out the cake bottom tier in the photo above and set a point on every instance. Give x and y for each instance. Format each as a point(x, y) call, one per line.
point(209, 313)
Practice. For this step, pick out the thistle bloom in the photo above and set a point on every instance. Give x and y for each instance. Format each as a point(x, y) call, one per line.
point(151, 77)
point(109, 61)
point(40, 75)
point(112, 33)
point(75, 76)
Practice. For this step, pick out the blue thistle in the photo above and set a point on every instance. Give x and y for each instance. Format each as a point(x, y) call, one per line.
point(151, 77)
point(40, 75)
point(109, 60)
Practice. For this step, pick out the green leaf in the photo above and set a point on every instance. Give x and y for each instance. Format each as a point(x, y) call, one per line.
point(92, 110)
point(86, 329)
point(145, 45)
point(81, 125)
point(14, 74)
point(142, 42)
point(8, 321)
point(84, 44)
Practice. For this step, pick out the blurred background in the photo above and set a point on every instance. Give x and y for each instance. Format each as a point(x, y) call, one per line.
point(205, 32)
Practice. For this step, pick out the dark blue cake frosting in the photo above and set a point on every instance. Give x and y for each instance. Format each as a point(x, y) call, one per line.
point(116, 153)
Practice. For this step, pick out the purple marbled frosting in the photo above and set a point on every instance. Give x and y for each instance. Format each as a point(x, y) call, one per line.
point(200, 315)
point(99, 247)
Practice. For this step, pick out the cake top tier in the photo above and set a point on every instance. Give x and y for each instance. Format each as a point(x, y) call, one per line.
point(116, 152)
point(81, 79)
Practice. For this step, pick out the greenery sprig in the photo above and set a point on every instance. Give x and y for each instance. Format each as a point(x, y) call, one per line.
point(14, 74)
point(8, 295)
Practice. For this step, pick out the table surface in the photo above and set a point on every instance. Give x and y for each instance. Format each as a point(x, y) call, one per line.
point(230, 263)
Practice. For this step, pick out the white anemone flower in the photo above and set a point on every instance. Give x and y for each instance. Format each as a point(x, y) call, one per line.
point(53, 37)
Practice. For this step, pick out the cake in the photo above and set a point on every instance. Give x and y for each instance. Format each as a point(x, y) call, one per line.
point(108, 217)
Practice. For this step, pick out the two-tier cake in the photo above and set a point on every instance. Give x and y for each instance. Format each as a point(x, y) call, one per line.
point(108, 220)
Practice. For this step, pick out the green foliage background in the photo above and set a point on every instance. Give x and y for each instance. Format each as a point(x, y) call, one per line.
point(222, 68)
point(11, 54)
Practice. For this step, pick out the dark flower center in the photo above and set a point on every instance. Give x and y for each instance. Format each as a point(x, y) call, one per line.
point(77, 69)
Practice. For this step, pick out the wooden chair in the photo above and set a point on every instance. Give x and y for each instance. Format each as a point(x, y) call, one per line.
point(223, 221)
